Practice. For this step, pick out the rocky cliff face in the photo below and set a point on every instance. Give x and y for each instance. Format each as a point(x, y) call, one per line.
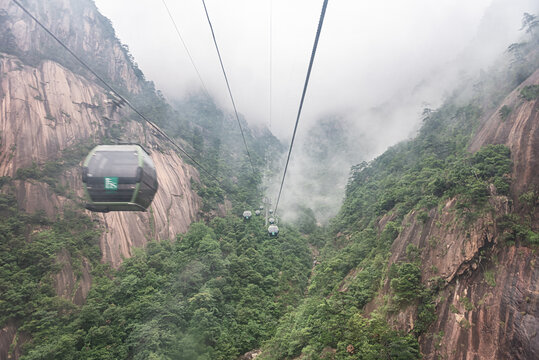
point(49, 105)
point(46, 108)
point(75, 22)
point(488, 307)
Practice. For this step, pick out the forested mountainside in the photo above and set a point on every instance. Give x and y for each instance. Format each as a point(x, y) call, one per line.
point(52, 112)
point(432, 255)
point(434, 251)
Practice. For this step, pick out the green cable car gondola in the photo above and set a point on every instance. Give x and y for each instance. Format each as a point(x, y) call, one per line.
point(119, 178)
point(273, 230)
point(247, 214)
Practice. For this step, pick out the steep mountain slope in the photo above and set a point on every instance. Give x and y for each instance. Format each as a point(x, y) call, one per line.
point(498, 279)
point(51, 106)
point(434, 251)
point(489, 307)
point(54, 254)
point(52, 111)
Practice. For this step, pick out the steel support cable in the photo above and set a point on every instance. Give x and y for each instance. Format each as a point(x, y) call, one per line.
point(320, 23)
point(186, 48)
point(189, 55)
point(228, 86)
point(270, 61)
point(266, 163)
point(83, 63)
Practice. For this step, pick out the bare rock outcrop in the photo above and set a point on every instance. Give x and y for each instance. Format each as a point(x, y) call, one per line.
point(491, 311)
point(11, 341)
point(491, 314)
point(489, 307)
point(78, 24)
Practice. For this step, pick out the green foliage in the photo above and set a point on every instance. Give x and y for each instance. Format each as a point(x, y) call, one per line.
point(320, 323)
point(29, 246)
point(504, 112)
point(4, 180)
point(422, 216)
point(31, 172)
point(306, 221)
point(424, 172)
point(225, 287)
point(426, 315)
point(465, 324)
point(490, 278)
point(215, 293)
point(416, 175)
point(466, 302)
point(529, 92)
point(413, 253)
point(213, 138)
point(405, 282)
point(530, 23)
point(515, 229)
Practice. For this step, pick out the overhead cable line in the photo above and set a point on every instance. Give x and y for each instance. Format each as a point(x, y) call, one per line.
point(228, 86)
point(152, 124)
point(270, 61)
point(320, 23)
point(186, 48)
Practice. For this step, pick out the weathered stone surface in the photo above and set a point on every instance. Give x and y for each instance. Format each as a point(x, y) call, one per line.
point(501, 320)
point(78, 24)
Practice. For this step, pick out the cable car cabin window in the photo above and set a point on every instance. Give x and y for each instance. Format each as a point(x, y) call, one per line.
point(120, 168)
point(121, 164)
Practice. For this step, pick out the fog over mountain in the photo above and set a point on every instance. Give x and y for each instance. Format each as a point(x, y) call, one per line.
point(378, 64)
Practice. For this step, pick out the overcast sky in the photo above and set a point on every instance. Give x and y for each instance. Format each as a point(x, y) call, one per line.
point(379, 63)
point(368, 51)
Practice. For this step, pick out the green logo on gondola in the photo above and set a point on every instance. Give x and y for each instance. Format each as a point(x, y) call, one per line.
point(111, 183)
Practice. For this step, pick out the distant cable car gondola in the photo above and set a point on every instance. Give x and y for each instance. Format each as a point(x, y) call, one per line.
point(247, 214)
point(257, 212)
point(270, 211)
point(261, 207)
point(271, 220)
point(119, 178)
point(273, 230)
